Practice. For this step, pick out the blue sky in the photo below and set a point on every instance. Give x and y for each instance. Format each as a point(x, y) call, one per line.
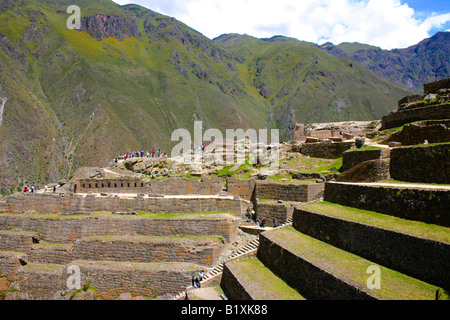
point(385, 23)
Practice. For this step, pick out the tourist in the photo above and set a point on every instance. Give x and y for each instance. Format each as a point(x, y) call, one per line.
point(257, 223)
point(254, 215)
point(263, 222)
point(193, 281)
point(274, 223)
point(153, 153)
point(249, 216)
point(197, 283)
point(200, 275)
point(54, 188)
point(25, 189)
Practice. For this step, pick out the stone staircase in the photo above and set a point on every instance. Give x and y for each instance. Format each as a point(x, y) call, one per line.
point(250, 249)
point(338, 252)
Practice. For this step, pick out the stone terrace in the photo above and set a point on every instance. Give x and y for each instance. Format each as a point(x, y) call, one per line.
point(332, 247)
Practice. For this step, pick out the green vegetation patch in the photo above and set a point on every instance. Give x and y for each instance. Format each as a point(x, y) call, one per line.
point(304, 164)
point(262, 282)
point(414, 228)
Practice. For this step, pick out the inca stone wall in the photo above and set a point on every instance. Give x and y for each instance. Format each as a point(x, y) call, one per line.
point(429, 164)
point(280, 212)
point(242, 188)
point(172, 186)
point(287, 191)
point(109, 279)
point(137, 186)
point(399, 118)
point(427, 205)
point(434, 87)
point(203, 250)
point(326, 150)
point(182, 186)
point(352, 158)
point(70, 204)
point(67, 229)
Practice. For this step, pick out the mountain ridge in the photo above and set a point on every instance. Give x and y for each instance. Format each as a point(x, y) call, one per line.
point(131, 76)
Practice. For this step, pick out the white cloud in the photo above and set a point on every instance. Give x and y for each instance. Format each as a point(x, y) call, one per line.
point(384, 23)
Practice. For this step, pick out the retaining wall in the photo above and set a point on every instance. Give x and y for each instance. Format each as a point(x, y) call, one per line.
point(270, 211)
point(109, 279)
point(301, 192)
point(203, 251)
point(427, 205)
point(430, 164)
point(242, 188)
point(352, 158)
point(172, 186)
point(400, 118)
point(326, 150)
point(70, 204)
point(67, 229)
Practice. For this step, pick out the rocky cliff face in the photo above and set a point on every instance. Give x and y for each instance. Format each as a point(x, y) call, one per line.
point(103, 26)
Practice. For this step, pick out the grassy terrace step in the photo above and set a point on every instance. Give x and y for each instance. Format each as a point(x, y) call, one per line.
point(250, 279)
point(420, 250)
point(321, 271)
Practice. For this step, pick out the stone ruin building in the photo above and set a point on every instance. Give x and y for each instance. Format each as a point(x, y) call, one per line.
point(135, 238)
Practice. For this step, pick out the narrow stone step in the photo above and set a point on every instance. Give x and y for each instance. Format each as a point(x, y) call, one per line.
point(321, 271)
point(421, 250)
point(249, 279)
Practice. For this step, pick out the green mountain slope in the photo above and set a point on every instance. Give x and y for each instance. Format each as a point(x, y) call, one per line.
point(425, 62)
point(301, 83)
point(131, 76)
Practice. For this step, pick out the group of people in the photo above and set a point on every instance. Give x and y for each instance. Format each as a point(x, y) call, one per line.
point(141, 154)
point(251, 216)
point(30, 189)
point(196, 280)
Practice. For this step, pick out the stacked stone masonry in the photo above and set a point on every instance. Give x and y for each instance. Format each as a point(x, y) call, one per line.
point(71, 204)
point(288, 191)
point(414, 203)
point(332, 150)
point(68, 229)
point(427, 164)
point(352, 158)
